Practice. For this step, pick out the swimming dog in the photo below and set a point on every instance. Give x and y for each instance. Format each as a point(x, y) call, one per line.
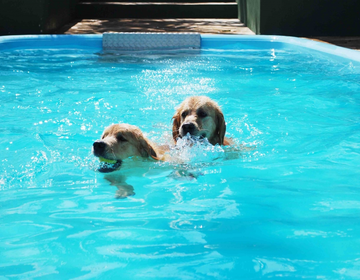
point(200, 116)
point(119, 142)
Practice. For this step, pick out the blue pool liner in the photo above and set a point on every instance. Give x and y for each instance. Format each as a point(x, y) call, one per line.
point(260, 42)
point(51, 42)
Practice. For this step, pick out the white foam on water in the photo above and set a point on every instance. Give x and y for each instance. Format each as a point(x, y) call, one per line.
point(192, 149)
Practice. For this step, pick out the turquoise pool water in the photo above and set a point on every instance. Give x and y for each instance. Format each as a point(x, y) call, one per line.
point(288, 208)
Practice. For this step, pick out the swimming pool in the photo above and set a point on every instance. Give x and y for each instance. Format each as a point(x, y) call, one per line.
point(289, 208)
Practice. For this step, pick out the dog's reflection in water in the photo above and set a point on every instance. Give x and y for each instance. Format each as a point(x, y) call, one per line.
point(119, 181)
point(132, 169)
point(147, 171)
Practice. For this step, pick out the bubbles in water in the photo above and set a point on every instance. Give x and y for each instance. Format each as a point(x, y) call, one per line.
point(89, 162)
point(193, 149)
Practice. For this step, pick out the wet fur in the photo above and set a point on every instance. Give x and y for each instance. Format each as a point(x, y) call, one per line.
point(192, 111)
point(123, 141)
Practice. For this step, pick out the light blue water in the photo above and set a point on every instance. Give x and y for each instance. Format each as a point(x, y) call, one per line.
point(289, 208)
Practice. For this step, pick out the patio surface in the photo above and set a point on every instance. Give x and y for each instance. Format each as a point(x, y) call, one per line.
point(203, 26)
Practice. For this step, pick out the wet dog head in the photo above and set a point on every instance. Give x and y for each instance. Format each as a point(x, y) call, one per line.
point(199, 116)
point(121, 141)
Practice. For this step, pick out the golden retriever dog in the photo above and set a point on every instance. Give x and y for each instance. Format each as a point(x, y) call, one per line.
point(122, 141)
point(200, 116)
point(119, 142)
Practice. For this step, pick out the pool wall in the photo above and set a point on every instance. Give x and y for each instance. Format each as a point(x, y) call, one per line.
point(207, 42)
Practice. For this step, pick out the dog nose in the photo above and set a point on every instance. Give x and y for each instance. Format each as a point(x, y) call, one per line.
point(188, 127)
point(99, 147)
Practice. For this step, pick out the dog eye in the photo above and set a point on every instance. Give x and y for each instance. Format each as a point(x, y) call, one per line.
point(184, 114)
point(202, 114)
point(121, 138)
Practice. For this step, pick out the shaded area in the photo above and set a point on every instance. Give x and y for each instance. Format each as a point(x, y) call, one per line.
point(301, 18)
point(157, 10)
point(19, 17)
point(346, 42)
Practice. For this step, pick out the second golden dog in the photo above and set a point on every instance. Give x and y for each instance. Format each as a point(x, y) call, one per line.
point(200, 116)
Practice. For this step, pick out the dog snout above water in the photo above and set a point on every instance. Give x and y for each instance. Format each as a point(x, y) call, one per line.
point(99, 148)
point(188, 127)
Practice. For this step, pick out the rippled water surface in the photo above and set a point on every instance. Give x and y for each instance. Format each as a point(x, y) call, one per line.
point(289, 207)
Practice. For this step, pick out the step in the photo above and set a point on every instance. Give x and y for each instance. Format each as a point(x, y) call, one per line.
point(198, 25)
point(88, 10)
point(179, 1)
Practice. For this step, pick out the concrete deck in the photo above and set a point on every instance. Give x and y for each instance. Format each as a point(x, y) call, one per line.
point(203, 26)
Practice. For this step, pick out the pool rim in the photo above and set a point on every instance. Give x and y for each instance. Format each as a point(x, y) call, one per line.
point(89, 41)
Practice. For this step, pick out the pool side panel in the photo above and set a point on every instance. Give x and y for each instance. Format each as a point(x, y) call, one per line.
point(275, 42)
point(239, 42)
point(207, 42)
point(51, 41)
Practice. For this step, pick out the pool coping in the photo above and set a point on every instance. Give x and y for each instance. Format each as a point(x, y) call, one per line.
point(87, 41)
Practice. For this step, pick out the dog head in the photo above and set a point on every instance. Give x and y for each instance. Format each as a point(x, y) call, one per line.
point(121, 141)
point(199, 116)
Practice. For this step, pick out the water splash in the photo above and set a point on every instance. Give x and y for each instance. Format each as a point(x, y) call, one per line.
point(193, 149)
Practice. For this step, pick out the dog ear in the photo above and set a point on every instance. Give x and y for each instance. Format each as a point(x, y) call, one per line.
point(146, 149)
point(176, 125)
point(221, 126)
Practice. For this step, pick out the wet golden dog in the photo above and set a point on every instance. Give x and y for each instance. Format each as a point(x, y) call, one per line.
point(121, 141)
point(200, 116)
